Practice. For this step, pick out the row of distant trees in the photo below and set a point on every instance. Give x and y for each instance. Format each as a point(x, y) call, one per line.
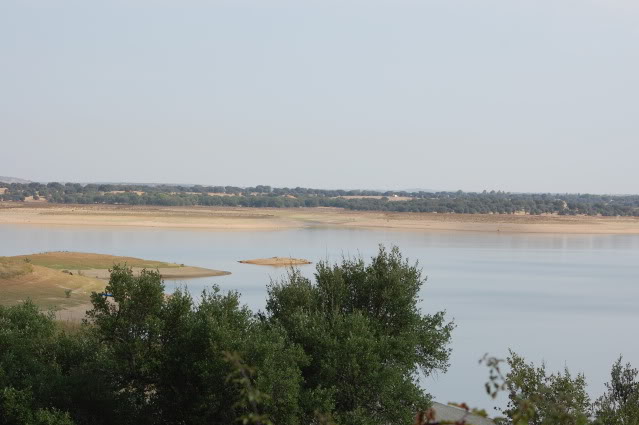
point(495, 202)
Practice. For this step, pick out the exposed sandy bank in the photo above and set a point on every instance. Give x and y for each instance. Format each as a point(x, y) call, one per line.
point(252, 219)
point(98, 265)
point(186, 272)
point(48, 288)
point(276, 261)
point(69, 260)
point(66, 279)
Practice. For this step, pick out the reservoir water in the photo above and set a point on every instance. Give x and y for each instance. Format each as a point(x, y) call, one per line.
point(566, 300)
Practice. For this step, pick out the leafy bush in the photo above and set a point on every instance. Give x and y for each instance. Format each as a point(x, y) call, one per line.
point(364, 336)
point(620, 404)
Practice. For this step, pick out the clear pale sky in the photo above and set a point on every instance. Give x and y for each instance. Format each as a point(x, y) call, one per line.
point(514, 95)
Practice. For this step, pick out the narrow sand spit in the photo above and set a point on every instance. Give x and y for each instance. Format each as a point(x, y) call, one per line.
point(185, 272)
point(276, 261)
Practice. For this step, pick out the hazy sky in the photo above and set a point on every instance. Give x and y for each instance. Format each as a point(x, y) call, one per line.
point(514, 95)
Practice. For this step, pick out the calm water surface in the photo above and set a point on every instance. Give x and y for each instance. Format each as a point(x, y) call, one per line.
point(564, 299)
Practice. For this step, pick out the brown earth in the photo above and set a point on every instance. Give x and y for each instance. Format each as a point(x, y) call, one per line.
point(84, 260)
point(137, 192)
point(227, 218)
point(184, 272)
point(390, 198)
point(98, 265)
point(276, 261)
point(48, 288)
point(64, 280)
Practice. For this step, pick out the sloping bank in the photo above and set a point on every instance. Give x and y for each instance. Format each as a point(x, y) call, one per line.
point(66, 279)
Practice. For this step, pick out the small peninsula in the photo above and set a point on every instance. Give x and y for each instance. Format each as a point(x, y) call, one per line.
point(66, 279)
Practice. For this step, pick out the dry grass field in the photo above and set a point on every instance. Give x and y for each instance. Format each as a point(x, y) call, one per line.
point(65, 280)
point(48, 288)
point(98, 265)
point(62, 260)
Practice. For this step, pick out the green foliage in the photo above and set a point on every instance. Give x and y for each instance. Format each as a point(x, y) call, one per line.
point(536, 398)
point(17, 408)
point(31, 370)
point(166, 354)
point(250, 397)
point(27, 341)
point(128, 328)
point(620, 404)
point(365, 338)
point(345, 348)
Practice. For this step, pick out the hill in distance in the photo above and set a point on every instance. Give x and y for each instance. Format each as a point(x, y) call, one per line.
point(9, 180)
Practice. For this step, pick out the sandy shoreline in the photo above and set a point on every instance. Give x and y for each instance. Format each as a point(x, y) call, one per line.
point(63, 279)
point(186, 272)
point(276, 261)
point(253, 219)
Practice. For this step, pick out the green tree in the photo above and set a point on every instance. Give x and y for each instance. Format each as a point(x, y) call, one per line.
point(31, 374)
point(365, 338)
point(193, 370)
point(620, 404)
point(17, 408)
point(165, 355)
point(128, 327)
point(536, 398)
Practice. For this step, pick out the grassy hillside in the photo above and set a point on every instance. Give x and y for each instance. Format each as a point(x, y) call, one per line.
point(48, 288)
point(64, 260)
point(11, 268)
point(66, 279)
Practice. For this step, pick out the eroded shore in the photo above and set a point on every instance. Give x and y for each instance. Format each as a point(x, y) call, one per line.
point(255, 219)
point(64, 279)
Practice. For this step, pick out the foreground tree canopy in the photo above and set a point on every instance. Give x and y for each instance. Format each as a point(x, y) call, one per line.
point(346, 348)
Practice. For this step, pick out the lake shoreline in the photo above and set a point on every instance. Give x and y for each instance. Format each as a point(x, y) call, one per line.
point(277, 262)
point(267, 219)
point(66, 279)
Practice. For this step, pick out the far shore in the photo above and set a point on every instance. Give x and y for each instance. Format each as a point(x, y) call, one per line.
point(277, 261)
point(256, 219)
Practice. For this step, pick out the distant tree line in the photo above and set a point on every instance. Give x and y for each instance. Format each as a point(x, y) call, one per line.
point(493, 202)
